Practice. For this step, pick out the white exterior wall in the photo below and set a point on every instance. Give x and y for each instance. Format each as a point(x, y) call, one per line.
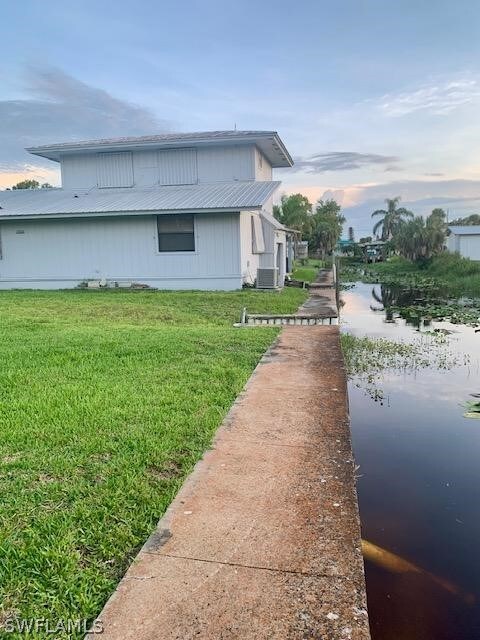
point(223, 164)
point(58, 254)
point(469, 246)
point(115, 169)
point(249, 261)
point(452, 243)
point(169, 166)
point(273, 237)
point(79, 171)
point(263, 169)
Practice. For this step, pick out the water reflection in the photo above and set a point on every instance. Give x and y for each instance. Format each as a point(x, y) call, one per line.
point(419, 490)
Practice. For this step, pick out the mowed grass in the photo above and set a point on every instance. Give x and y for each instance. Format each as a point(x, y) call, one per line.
point(107, 400)
point(307, 270)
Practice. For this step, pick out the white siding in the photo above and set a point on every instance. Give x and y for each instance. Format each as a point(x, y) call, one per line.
point(115, 169)
point(177, 166)
point(145, 168)
point(249, 261)
point(170, 166)
point(452, 243)
point(52, 254)
point(469, 246)
point(222, 164)
point(263, 169)
point(273, 237)
point(79, 171)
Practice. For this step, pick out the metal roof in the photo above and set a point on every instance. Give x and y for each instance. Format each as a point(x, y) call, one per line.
point(268, 142)
point(273, 221)
point(221, 196)
point(465, 230)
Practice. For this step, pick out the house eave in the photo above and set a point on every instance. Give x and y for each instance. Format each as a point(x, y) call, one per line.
point(269, 142)
point(122, 214)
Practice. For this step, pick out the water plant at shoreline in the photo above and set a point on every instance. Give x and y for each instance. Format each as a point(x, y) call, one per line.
point(368, 359)
point(414, 295)
point(454, 312)
point(449, 273)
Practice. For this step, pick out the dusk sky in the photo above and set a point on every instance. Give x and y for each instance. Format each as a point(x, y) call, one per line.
point(373, 99)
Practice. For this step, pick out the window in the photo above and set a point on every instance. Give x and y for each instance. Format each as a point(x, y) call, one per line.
point(176, 232)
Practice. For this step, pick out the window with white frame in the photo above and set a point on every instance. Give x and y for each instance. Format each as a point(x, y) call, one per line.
point(176, 232)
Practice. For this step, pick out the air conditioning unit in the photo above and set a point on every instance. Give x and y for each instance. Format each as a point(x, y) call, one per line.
point(267, 278)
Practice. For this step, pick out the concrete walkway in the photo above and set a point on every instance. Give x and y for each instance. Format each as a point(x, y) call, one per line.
point(322, 301)
point(263, 540)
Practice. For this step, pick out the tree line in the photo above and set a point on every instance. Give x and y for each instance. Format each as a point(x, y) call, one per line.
point(320, 224)
point(413, 237)
point(30, 184)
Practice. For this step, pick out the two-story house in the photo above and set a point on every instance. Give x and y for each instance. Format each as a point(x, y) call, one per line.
point(173, 211)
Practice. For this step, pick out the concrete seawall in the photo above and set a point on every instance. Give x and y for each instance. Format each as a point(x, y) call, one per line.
point(263, 539)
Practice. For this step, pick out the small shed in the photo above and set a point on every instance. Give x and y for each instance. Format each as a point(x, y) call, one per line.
point(465, 240)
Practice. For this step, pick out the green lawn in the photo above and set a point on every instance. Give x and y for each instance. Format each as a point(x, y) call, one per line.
point(307, 270)
point(107, 400)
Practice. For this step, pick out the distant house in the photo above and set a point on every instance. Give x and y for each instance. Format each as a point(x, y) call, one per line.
point(465, 240)
point(173, 211)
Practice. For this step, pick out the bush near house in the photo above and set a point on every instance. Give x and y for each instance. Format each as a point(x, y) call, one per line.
point(107, 400)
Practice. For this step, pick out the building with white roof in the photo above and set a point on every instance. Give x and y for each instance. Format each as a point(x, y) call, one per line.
point(173, 211)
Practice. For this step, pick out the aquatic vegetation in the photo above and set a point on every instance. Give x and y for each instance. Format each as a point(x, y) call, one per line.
point(368, 359)
point(370, 274)
point(448, 273)
point(473, 408)
point(415, 297)
point(456, 312)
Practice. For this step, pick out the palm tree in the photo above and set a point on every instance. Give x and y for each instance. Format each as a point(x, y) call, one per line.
point(392, 217)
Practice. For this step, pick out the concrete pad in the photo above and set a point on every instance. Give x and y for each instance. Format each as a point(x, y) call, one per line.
point(263, 539)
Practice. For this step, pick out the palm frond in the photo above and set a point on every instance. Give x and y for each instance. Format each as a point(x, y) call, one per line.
point(404, 212)
point(377, 226)
point(379, 212)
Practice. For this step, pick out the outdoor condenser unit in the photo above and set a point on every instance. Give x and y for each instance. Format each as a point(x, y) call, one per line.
point(267, 278)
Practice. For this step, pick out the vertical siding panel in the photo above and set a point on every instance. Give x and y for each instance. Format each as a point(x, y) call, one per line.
point(115, 169)
point(263, 169)
point(69, 251)
point(170, 166)
point(177, 166)
point(222, 164)
point(145, 168)
point(79, 171)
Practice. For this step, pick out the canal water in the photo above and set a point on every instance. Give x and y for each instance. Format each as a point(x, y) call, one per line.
point(419, 481)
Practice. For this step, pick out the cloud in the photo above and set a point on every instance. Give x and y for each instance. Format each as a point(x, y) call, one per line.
point(434, 174)
point(458, 197)
point(438, 98)
point(61, 108)
point(340, 161)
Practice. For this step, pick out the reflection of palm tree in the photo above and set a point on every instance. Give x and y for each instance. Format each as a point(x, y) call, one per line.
point(392, 218)
point(387, 298)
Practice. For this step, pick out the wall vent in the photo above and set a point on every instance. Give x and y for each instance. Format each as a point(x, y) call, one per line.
point(267, 278)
